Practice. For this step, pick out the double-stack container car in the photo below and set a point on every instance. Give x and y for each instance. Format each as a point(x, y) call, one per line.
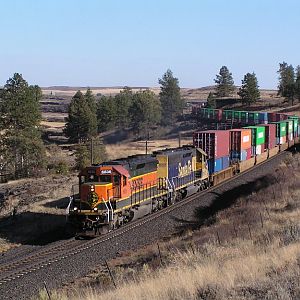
point(240, 144)
point(257, 139)
point(215, 143)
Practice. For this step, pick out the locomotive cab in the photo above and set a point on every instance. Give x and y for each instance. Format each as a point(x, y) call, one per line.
point(101, 186)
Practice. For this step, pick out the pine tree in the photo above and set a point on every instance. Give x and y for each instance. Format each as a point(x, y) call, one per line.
point(81, 123)
point(171, 101)
point(286, 86)
point(145, 112)
point(20, 104)
point(249, 91)
point(211, 100)
point(225, 84)
point(21, 144)
point(106, 113)
point(123, 101)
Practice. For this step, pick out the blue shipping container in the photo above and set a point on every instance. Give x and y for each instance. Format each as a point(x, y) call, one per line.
point(218, 165)
point(263, 117)
point(236, 155)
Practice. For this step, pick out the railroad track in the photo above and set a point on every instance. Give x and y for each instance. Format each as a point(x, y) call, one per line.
point(45, 257)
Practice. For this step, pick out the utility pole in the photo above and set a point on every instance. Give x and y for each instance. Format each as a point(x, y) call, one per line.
point(92, 151)
point(179, 139)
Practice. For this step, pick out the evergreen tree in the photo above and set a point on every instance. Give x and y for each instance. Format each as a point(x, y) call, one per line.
point(106, 113)
point(144, 112)
point(286, 86)
point(123, 101)
point(249, 91)
point(89, 97)
point(21, 145)
point(225, 84)
point(20, 104)
point(171, 101)
point(211, 100)
point(81, 123)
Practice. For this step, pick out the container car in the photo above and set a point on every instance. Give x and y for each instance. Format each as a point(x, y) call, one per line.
point(215, 143)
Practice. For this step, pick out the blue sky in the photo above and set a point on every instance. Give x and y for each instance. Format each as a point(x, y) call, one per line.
point(133, 42)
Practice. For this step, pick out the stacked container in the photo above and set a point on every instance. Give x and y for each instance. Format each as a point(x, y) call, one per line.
point(216, 145)
point(281, 117)
point(257, 139)
point(237, 116)
point(271, 117)
point(240, 144)
point(281, 132)
point(253, 118)
point(227, 115)
point(295, 125)
point(263, 118)
point(270, 131)
point(244, 117)
point(290, 131)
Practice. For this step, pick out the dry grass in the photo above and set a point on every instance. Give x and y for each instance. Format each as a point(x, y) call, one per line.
point(53, 124)
point(250, 251)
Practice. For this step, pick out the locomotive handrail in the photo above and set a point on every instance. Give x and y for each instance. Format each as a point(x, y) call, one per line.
point(108, 216)
point(112, 210)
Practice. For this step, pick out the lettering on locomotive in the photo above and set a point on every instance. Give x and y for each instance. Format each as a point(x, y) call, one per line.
point(136, 183)
point(184, 170)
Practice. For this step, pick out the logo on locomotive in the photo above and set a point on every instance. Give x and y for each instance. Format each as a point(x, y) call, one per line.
point(93, 199)
point(184, 170)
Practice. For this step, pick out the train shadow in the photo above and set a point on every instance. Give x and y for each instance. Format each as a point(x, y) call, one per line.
point(61, 203)
point(206, 215)
point(32, 228)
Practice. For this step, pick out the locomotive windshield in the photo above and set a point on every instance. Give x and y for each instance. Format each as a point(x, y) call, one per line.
point(95, 178)
point(105, 178)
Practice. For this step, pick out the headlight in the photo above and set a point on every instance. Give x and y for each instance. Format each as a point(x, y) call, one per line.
point(75, 208)
point(95, 209)
point(92, 188)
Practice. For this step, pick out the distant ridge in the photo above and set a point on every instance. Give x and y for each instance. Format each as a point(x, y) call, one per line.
point(71, 88)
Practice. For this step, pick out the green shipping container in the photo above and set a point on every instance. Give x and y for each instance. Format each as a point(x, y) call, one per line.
point(237, 115)
point(258, 135)
point(228, 114)
point(253, 116)
point(295, 122)
point(210, 113)
point(289, 126)
point(244, 115)
point(281, 128)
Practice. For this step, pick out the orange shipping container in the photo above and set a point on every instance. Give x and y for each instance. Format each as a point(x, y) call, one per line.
point(240, 139)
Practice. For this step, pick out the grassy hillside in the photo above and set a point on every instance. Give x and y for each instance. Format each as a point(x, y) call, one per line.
point(248, 251)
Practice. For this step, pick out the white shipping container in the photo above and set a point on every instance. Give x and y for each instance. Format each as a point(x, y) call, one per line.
point(258, 150)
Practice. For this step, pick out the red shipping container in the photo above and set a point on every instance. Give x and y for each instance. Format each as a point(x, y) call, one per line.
point(220, 115)
point(272, 117)
point(270, 135)
point(281, 117)
point(249, 153)
point(240, 139)
point(214, 142)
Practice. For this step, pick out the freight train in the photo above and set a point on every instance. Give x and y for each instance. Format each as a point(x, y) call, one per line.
point(116, 192)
